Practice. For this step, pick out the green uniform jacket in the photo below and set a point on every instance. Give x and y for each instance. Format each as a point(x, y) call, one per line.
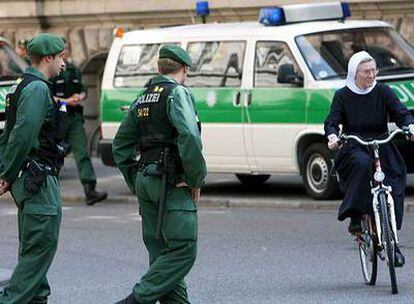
point(182, 115)
point(34, 106)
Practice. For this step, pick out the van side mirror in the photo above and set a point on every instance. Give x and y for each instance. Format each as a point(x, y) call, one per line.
point(286, 74)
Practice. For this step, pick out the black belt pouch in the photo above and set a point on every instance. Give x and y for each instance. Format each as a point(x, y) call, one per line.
point(35, 177)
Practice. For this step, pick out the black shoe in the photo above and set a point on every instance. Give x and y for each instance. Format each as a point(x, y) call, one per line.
point(399, 258)
point(129, 300)
point(93, 196)
point(355, 226)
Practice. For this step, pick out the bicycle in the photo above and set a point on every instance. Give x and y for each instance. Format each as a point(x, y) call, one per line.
point(379, 235)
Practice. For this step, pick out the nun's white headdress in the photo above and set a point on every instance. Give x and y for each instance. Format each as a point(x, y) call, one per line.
point(353, 63)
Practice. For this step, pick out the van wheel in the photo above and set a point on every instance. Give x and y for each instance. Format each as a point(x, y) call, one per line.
point(250, 179)
point(316, 173)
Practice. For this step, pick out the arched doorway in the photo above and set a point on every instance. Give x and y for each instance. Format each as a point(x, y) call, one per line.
point(92, 71)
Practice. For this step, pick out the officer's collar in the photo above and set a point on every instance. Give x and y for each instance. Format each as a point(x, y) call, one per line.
point(163, 78)
point(33, 71)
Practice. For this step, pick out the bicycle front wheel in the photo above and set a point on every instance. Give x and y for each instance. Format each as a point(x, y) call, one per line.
point(368, 253)
point(388, 240)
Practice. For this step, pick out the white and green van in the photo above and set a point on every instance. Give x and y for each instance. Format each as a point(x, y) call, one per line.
point(11, 67)
point(262, 91)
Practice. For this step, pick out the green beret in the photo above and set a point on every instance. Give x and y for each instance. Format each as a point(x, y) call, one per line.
point(45, 44)
point(175, 53)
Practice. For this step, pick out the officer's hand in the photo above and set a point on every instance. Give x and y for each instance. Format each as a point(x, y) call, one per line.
point(181, 185)
point(77, 98)
point(195, 192)
point(411, 127)
point(4, 186)
point(333, 142)
point(73, 100)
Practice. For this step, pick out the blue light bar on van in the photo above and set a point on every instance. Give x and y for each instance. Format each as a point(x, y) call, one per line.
point(304, 12)
point(202, 8)
point(346, 9)
point(272, 16)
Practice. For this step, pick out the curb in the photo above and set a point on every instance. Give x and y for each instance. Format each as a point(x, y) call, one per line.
point(226, 202)
point(238, 202)
point(211, 201)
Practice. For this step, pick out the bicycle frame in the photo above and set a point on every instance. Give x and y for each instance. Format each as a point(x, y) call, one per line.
point(375, 203)
point(379, 187)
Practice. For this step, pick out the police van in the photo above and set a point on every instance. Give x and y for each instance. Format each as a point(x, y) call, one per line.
point(11, 67)
point(263, 89)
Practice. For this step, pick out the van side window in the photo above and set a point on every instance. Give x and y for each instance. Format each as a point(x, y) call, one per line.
point(136, 65)
point(271, 58)
point(216, 64)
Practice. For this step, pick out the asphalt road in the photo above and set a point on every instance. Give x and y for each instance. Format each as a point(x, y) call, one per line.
point(245, 256)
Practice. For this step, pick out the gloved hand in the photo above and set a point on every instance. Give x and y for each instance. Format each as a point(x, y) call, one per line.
point(333, 142)
point(411, 127)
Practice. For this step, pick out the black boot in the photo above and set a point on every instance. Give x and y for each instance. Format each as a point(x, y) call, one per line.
point(93, 196)
point(129, 300)
point(355, 226)
point(399, 258)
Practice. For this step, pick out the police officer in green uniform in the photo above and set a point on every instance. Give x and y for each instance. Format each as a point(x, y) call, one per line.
point(68, 86)
point(21, 50)
point(163, 119)
point(32, 151)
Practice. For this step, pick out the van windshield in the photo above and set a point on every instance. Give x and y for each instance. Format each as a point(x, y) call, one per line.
point(11, 65)
point(327, 53)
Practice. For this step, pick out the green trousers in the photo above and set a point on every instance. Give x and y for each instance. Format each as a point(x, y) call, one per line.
point(39, 219)
point(172, 257)
point(78, 141)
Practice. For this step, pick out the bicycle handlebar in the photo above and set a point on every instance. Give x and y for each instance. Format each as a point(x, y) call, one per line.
point(404, 130)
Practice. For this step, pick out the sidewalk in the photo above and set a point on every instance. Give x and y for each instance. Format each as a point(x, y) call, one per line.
point(221, 190)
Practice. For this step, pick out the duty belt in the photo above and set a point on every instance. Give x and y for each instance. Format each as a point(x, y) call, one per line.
point(48, 170)
point(155, 158)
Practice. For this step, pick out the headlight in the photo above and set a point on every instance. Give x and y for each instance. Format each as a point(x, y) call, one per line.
point(379, 176)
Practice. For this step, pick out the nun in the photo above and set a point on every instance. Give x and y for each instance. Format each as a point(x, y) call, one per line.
point(364, 107)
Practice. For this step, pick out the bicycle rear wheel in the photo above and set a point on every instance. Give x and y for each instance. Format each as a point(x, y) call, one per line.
point(368, 253)
point(388, 241)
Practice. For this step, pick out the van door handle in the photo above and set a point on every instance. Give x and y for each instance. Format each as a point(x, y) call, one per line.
point(249, 98)
point(237, 99)
point(124, 108)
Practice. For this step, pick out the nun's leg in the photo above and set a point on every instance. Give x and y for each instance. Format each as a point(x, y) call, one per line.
point(356, 172)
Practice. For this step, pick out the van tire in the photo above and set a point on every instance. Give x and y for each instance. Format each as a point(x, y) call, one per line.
point(251, 179)
point(316, 173)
